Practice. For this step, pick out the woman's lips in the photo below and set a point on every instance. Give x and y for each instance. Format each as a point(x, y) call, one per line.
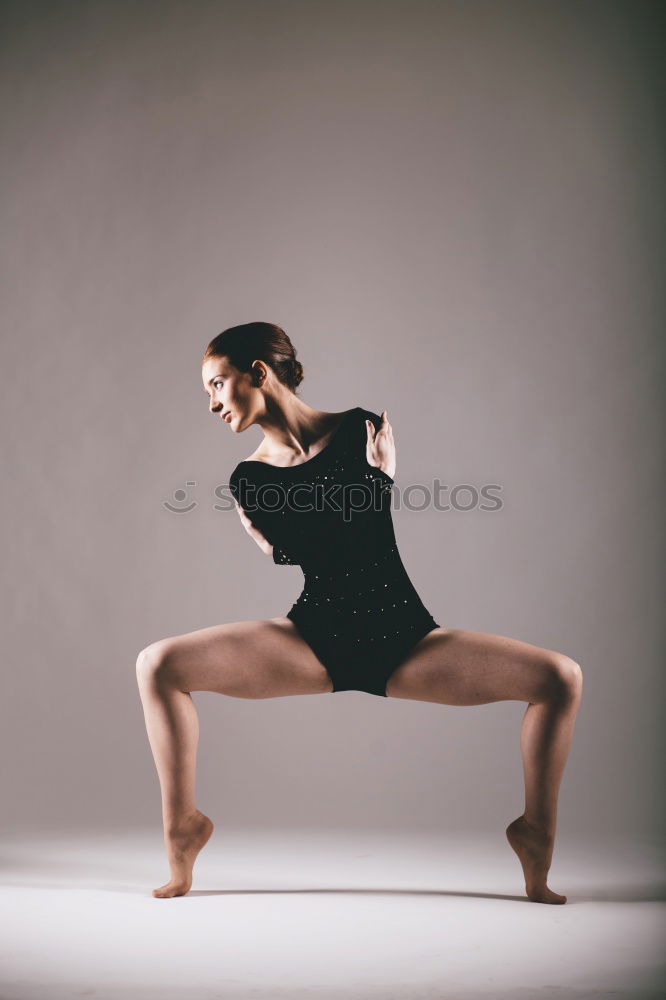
point(228, 417)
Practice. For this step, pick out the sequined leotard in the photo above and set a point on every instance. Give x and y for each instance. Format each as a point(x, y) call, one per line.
point(358, 610)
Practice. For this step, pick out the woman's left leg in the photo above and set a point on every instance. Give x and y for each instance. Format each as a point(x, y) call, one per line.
point(462, 667)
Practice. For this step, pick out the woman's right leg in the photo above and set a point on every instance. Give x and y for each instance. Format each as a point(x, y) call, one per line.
point(246, 659)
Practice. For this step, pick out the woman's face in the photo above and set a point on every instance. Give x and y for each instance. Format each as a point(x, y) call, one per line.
point(230, 391)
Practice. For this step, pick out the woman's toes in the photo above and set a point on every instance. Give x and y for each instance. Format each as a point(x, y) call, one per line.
point(545, 895)
point(170, 890)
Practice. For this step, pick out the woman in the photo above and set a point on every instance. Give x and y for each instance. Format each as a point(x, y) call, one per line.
point(358, 624)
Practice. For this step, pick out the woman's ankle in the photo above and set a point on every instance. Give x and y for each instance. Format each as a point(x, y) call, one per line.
point(181, 822)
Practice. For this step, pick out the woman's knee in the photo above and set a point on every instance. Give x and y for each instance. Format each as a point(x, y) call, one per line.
point(153, 663)
point(565, 677)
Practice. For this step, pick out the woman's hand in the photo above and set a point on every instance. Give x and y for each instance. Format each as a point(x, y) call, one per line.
point(380, 449)
point(253, 532)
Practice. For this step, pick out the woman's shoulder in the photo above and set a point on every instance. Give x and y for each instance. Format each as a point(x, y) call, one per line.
point(246, 468)
point(243, 473)
point(249, 473)
point(370, 415)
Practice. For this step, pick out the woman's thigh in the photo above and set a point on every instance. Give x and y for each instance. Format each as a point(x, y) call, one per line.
point(461, 667)
point(245, 659)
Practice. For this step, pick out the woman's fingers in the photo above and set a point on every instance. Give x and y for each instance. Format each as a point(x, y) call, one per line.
point(245, 520)
point(252, 530)
point(384, 428)
point(380, 448)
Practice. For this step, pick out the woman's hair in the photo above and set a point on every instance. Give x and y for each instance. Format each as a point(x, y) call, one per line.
point(258, 341)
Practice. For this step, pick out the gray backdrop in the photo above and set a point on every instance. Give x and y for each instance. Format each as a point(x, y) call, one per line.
point(455, 211)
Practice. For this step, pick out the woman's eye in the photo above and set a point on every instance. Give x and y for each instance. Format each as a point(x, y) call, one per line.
point(216, 384)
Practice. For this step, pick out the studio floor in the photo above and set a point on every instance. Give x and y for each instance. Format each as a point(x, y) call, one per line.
point(327, 914)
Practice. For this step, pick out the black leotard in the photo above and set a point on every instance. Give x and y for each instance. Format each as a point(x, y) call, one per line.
point(358, 610)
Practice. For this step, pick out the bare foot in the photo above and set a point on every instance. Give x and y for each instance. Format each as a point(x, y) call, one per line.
point(183, 844)
point(535, 850)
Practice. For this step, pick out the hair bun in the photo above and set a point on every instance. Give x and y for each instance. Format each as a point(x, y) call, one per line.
point(298, 371)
